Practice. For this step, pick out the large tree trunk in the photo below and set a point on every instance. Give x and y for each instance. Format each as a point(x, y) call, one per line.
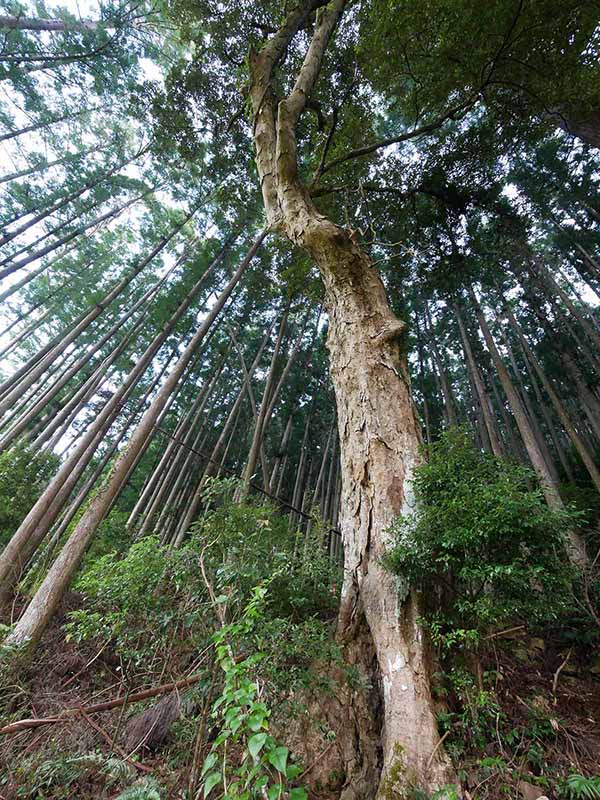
point(379, 439)
point(584, 126)
point(379, 445)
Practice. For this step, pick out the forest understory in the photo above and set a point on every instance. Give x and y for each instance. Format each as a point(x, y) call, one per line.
point(527, 722)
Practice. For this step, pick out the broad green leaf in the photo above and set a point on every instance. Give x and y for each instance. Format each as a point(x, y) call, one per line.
point(256, 743)
point(298, 794)
point(210, 761)
point(278, 757)
point(210, 782)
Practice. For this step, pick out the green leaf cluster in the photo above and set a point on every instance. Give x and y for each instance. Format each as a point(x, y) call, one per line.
point(483, 543)
point(261, 769)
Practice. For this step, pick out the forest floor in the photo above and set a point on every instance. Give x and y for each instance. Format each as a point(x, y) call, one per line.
point(534, 721)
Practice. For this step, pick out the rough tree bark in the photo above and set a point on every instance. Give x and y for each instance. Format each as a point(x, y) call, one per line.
point(379, 434)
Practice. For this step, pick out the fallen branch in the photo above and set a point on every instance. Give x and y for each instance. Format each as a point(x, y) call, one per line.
point(25, 724)
point(503, 633)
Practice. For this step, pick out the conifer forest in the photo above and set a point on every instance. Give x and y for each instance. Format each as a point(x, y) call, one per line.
point(299, 399)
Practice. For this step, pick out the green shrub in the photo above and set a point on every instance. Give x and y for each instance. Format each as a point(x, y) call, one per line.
point(140, 600)
point(152, 602)
point(250, 542)
point(484, 544)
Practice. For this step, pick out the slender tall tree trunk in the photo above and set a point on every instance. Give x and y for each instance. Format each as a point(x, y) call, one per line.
point(259, 427)
point(578, 443)
point(80, 364)
point(181, 462)
point(253, 405)
point(4, 137)
point(26, 376)
point(531, 411)
point(212, 467)
point(588, 400)
point(64, 201)
point(90, 482)
point(20, 263)
point(62, 421)
point(33, 528)
point(590, 329)
point(37, 24)
point(48, 265)
point(281, 453)
point(484, 399)
point(422, 385)
point(449, 403)
point(45, 165)
point(556, 437)
point(294, 518)
point(515, 447)
point(40, 610)
point(574, 544)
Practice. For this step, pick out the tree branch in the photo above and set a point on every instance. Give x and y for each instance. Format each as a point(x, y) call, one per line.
point(453, 113)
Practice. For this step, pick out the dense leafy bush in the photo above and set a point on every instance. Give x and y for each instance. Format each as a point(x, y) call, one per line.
point(24, 473)
point(484, 543)
point(153, 602)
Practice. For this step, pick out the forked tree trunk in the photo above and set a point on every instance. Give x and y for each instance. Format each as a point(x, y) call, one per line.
point(379, 439)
